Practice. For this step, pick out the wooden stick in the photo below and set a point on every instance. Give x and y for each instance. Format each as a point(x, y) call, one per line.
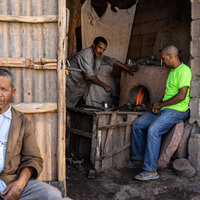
point(61, 52)
point(29, 19)
point(114, 152)
point(79, 132)
point(116, 125)
point(35, 107)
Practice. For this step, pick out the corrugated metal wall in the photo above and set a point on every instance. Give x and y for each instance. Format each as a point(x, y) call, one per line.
point(26, 40)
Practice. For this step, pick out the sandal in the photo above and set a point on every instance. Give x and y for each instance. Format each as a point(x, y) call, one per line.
point(145, 176)
point(132, 164)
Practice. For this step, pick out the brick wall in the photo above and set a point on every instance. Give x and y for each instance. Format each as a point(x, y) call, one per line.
point(195, 62)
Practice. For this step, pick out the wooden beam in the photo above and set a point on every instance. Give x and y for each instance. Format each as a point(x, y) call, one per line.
point(61, 52)
point(46, 66)
point(29, 19)
point(42, 61)
point(116, 125)
point(12, 62)
point(28, 108)
point(79, 132)
point(108, 155)
point(38, 63)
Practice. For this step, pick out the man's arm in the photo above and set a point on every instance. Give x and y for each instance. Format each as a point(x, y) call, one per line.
point(14, 190)
point(174, 100)
point(96, 81)
point(129, 69)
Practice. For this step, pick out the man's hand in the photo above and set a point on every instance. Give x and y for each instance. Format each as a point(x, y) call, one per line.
point(107, 88)
point(156, 106)
point(13, 190)
point(133, 69)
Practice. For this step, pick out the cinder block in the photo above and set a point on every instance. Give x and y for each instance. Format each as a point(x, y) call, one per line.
point(195, 87)
point(195, 7)
point(195, 29)
point(194, 108)
point(169, 144)
point(194, 111)
point(195, 47)
point(194, 151)
point(195, 66)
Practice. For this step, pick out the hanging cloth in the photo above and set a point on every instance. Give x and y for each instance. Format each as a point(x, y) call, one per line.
point(116, 28)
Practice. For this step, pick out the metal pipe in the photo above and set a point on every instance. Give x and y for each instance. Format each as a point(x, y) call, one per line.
point(71, 69)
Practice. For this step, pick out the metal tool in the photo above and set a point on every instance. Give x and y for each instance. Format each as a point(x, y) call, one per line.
point(103, 103)
point(71, 69)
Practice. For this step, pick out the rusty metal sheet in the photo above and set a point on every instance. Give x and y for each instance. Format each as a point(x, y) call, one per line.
point(26, 40)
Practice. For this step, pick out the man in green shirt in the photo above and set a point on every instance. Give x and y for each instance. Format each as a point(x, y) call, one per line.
point(173, 108)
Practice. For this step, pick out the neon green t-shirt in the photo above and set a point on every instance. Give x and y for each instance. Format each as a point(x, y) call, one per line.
point(178, 78)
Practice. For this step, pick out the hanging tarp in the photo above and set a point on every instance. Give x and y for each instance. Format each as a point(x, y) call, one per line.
point(116, 28)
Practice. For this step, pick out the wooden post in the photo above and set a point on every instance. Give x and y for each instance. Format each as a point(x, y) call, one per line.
point(61, 51)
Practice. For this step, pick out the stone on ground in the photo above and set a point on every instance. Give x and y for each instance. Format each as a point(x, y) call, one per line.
point(183, 168)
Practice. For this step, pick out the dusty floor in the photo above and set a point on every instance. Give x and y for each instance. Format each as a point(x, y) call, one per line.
point(120, 185)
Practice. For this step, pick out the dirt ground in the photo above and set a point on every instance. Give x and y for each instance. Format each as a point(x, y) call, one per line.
point(120, 185)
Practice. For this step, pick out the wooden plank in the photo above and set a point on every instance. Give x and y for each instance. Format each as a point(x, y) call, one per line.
point(79, 132)
point(29, 63)
point(121, 112)
point(29, 19)
point(104, 120)
point(113, 126)
point(61, 83)
point(42, 61)
point(109, 135)
point(77, 110)
point(127, 138)
point(118, 142)
point(46, 66)
point(35, 107)
point(95, 144)
point(12, 62)
point(108, 155)
point(108, 163)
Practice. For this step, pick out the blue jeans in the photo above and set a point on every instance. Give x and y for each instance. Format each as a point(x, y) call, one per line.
point(147, 148)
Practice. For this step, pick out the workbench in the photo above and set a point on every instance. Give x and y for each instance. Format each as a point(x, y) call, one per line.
point(104, 137)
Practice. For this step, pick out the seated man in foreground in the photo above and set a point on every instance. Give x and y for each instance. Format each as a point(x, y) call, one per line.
point(20, 159)
point(164, 115)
